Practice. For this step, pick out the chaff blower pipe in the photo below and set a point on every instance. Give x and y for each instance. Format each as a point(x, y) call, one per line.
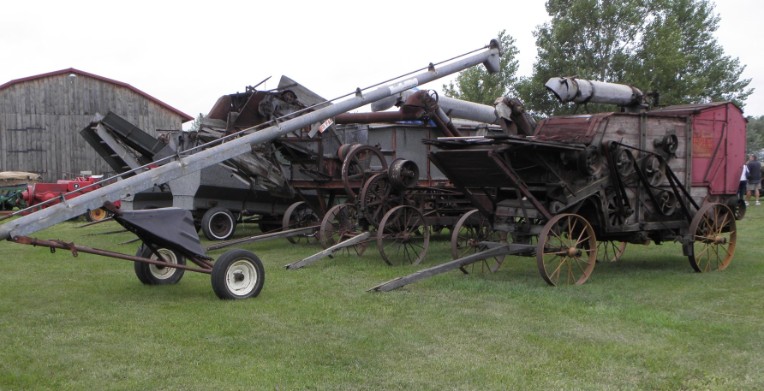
point(572, 89)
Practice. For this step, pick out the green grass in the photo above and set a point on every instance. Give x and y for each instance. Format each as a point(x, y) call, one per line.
point(647, 322)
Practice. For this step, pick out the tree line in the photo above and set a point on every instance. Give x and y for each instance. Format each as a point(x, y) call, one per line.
point(666, 48)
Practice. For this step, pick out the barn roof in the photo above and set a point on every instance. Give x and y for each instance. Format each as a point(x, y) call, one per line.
point(75, 71)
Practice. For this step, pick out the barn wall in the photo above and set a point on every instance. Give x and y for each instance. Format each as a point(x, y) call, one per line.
point(40, 121)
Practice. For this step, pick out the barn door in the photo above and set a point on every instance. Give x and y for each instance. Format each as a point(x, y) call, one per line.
point(26, 150)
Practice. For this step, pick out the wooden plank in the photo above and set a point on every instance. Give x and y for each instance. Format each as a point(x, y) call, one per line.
point(496, 250)
point(262, 237)
point(329, 251)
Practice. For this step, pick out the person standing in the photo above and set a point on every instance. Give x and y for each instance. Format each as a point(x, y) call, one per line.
point(741, 190)
point(754, 178)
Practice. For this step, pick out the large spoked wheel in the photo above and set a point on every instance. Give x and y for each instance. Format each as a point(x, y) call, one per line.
point(218, 223)
point(339, 224)
point(567, 250)
point(376, 198)
point(237, 274)
point(300, 215)
point(361, 162)
point(150, 274)
point(403, 237)
point(610, 251)
point(714, 236)
point(469, 231)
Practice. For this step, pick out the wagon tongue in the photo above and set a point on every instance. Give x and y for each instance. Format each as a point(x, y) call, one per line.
point(165, 227)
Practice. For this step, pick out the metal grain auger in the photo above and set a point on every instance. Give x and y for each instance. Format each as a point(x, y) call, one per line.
point(168, 234)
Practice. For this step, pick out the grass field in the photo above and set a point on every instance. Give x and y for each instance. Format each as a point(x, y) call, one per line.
point(647, 322)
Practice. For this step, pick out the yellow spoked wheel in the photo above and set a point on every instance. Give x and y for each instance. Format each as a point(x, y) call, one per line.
point(567, 250)
point(714, 235)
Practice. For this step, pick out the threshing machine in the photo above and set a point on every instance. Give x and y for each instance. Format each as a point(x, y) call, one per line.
point(579, 183)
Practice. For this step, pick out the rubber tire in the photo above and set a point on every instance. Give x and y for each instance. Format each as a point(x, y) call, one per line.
point(150, 274)
point(225, 269)
point(222, 216)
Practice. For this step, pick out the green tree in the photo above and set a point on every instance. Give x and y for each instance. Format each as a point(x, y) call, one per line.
point(479, 86)
point(657, 45)
point(755, 133)
point(197, 123)
point(681, 59)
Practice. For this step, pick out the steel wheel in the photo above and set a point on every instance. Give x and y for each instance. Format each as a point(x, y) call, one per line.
point(150, 274)
point(567, 250)
point(97, 214)
point(469, 231)
point(403, 237)
point(343, 150)
point(610, 251)
point(403, 173)
point(237, 274)
point(299, 215)
point(340, 223)
point(361, 162)
point(376, 198)
point(714, 236)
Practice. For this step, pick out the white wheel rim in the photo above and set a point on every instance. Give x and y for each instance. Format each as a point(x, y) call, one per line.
point(241, 277)
point(163, 272)
point(217, 218)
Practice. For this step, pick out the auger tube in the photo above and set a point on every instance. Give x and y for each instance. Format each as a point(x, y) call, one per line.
point(25, 225)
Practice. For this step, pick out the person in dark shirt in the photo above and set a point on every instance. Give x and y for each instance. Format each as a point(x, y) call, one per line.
point(754, 179)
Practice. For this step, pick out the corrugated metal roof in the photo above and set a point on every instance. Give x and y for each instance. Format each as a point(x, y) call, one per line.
point(75, 71)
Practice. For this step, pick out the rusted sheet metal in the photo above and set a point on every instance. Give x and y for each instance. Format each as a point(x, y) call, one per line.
point(419, 106)
point(580, 129)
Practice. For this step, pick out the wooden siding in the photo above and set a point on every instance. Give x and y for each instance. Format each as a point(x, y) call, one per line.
point(40, 121)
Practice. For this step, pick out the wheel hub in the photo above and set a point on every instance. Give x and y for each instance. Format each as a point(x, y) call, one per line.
point(574, 252)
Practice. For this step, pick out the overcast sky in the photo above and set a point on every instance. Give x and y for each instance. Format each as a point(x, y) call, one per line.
point(189, 53)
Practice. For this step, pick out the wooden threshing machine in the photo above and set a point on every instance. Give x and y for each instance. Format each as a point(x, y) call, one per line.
point(578, 188)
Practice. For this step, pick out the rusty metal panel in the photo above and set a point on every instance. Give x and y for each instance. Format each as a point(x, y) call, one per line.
point(579, 129)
